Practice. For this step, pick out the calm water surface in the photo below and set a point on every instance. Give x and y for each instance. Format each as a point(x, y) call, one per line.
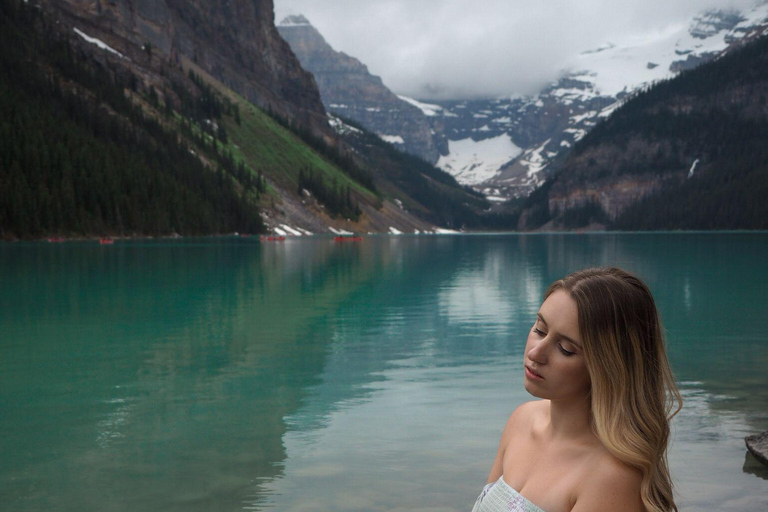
point(225, 375)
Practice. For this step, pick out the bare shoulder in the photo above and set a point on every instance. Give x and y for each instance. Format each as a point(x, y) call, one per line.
point(523, 418)
point(609, 486)
point(517, 431)
point(529, 412)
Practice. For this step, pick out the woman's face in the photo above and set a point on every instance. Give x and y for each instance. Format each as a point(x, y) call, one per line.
point(555, 368)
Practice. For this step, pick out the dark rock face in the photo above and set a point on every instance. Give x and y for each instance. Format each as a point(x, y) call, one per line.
point(758, 446)
point(349, 90)
point(712, 22)
point(235, 41)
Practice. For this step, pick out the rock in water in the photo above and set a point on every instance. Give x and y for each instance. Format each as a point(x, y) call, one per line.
point(758, 446)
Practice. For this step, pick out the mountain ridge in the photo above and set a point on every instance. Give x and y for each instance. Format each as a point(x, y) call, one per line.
point(348, 89)
point(686, 153)
point(545, 126)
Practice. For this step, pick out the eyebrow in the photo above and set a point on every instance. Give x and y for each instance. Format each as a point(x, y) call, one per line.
point(566, 338)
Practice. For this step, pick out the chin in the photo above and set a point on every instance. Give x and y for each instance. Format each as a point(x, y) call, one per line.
point(533, 390)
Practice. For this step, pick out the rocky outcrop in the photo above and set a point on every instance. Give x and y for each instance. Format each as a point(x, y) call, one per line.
point(349, 90)
point(613, 195)
point(235, 41)
point(758, 446)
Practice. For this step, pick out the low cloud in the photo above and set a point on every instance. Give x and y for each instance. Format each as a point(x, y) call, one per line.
point(443, 49)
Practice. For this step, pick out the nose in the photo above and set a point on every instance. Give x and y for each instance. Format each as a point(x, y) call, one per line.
point(537, 351)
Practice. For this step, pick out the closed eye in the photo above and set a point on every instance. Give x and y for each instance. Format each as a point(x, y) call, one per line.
point(539, 331)
point(565, 352)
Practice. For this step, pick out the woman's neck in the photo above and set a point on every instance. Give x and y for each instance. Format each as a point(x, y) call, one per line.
point(569, 419)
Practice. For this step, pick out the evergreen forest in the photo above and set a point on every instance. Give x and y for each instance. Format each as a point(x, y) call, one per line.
point(79, 158)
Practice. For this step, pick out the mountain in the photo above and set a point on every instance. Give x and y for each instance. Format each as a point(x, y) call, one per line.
point(433, 194)
point(133, 118)
point(350, 91)
point(686, 153)
point(507, 147)
point(235, 41)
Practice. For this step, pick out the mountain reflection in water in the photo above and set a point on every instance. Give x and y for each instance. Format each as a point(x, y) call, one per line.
point(227, 374)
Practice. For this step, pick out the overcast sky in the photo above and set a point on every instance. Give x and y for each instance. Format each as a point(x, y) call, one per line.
point(482, 48)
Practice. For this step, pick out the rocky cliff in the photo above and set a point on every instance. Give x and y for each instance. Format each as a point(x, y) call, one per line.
point(234, 41)
point(349, 90)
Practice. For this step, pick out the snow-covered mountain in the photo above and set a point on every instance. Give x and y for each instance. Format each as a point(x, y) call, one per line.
point(506, 147)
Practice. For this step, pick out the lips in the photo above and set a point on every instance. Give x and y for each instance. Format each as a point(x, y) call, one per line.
point(532, 374)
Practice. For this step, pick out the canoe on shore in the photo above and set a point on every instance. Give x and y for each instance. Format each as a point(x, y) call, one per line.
point(758, 446)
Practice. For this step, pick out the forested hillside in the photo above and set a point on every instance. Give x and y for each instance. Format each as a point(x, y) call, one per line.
point(687, 153)
point(94, 142)
point(80, 157)
point(433, 194)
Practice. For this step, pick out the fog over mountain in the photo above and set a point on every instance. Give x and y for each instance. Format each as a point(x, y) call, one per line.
point(453, 49)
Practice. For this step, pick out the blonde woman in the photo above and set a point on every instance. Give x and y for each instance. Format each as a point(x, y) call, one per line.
point(597, 439)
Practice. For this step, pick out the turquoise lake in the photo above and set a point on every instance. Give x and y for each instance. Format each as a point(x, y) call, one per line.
point(225, 374)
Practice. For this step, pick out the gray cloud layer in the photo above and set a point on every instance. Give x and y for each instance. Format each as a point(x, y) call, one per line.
point(482, 48)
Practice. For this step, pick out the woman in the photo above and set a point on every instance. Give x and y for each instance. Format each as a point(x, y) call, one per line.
point(597, 441)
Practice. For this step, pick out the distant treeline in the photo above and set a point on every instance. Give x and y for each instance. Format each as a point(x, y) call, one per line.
point(77, 157)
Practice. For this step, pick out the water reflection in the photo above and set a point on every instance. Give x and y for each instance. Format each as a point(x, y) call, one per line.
point(753, 466)
point(309, 375)
point(159, 374)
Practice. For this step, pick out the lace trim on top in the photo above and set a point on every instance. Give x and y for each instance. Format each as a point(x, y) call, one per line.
point(498, 496)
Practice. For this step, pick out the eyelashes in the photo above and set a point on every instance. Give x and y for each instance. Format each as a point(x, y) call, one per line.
point(565, 352)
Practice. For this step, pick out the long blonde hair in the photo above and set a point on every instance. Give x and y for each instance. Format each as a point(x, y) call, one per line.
point(633, 389)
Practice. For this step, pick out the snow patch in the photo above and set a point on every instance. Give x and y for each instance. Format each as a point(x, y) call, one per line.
point(340, 126)
point(581, 117)
point(339, 231)
point(428, 108)
point(578, 133)
point(472, 162)
point(291, 230)
point(607, 111)
point(392, 139)
point(98, 42)
point(534, 161)
point(693, 168)
point(395, 231)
